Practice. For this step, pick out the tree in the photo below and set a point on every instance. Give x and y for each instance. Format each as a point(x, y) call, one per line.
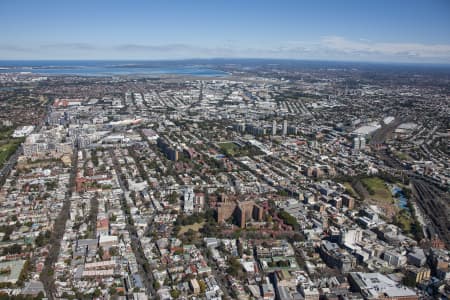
point(97, 293)
point(156, 285)
point(173, 198)
point(237, 234)
point(288, 219)
point(283, 193)
point(4, 296)
point(112, 290)
point(24, 273)
point(234, 267)
point(113, 251)
point(13, 249)
point(175, 294)
point(202, 285)
point(42, 239)
point(100, 251)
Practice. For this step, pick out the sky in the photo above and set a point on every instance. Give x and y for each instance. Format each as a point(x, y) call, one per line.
point(415, 31)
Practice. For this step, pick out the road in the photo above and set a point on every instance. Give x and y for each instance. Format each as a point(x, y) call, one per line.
point(57, 234)
point(219, 275)
point(7, 166)
point(136, 245)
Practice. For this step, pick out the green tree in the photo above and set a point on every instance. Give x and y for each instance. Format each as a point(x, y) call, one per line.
point(175, 294)
point(156, 285)
point(233, 267)
point(288, 219)
point(97, 293)
point(100, 251)
point(202, 285)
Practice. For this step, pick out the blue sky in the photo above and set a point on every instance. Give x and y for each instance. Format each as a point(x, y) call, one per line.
point(363, 30)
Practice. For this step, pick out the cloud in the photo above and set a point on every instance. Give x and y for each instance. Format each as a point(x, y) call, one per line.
point(69, 46)
point(369, 48)
point(13, 48)
point(325, 48)
point(181, 49)
point(155, 48)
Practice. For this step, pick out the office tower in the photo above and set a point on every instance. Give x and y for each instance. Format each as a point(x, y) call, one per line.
point(356, 143)
point(362, 143)
point(359, 143)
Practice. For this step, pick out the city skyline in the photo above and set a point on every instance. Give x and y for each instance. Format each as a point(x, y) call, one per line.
point(381, 31)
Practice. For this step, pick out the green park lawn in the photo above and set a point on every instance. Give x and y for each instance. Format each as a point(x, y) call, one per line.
point(195, 227)
point(229, 148)
point(378, 189)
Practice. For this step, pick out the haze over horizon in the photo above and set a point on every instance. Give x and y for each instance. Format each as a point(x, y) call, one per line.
point(378, 31)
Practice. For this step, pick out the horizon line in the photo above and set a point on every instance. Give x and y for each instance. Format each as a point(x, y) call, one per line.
point(237, 58)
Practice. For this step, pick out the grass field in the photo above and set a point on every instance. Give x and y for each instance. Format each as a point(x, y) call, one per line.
point(6, 151)
point(196, 227)
point(229, 148)
point(402, 156)
point(8, 145)
point(378, 190)
point(350, 190)
point(404, 221)
point(6, 133)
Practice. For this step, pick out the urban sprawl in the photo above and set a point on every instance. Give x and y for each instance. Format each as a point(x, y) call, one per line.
point(269, 183)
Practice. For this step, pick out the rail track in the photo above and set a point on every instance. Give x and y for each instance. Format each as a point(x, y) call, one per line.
point(436, 206)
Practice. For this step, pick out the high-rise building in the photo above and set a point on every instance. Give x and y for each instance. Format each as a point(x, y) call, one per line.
point(350, 237)
point(239, 127)
point(348, 201)
point(362, 143)
point(356, 143)
point(169, 149)
point(359, 143)
point(285, 125)
point(292, 130)
point(274, 127)
point(188, 200)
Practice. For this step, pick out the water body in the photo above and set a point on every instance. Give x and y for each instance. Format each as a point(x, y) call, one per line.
point(402, 201)
point(107, 68)
point(202, 67)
